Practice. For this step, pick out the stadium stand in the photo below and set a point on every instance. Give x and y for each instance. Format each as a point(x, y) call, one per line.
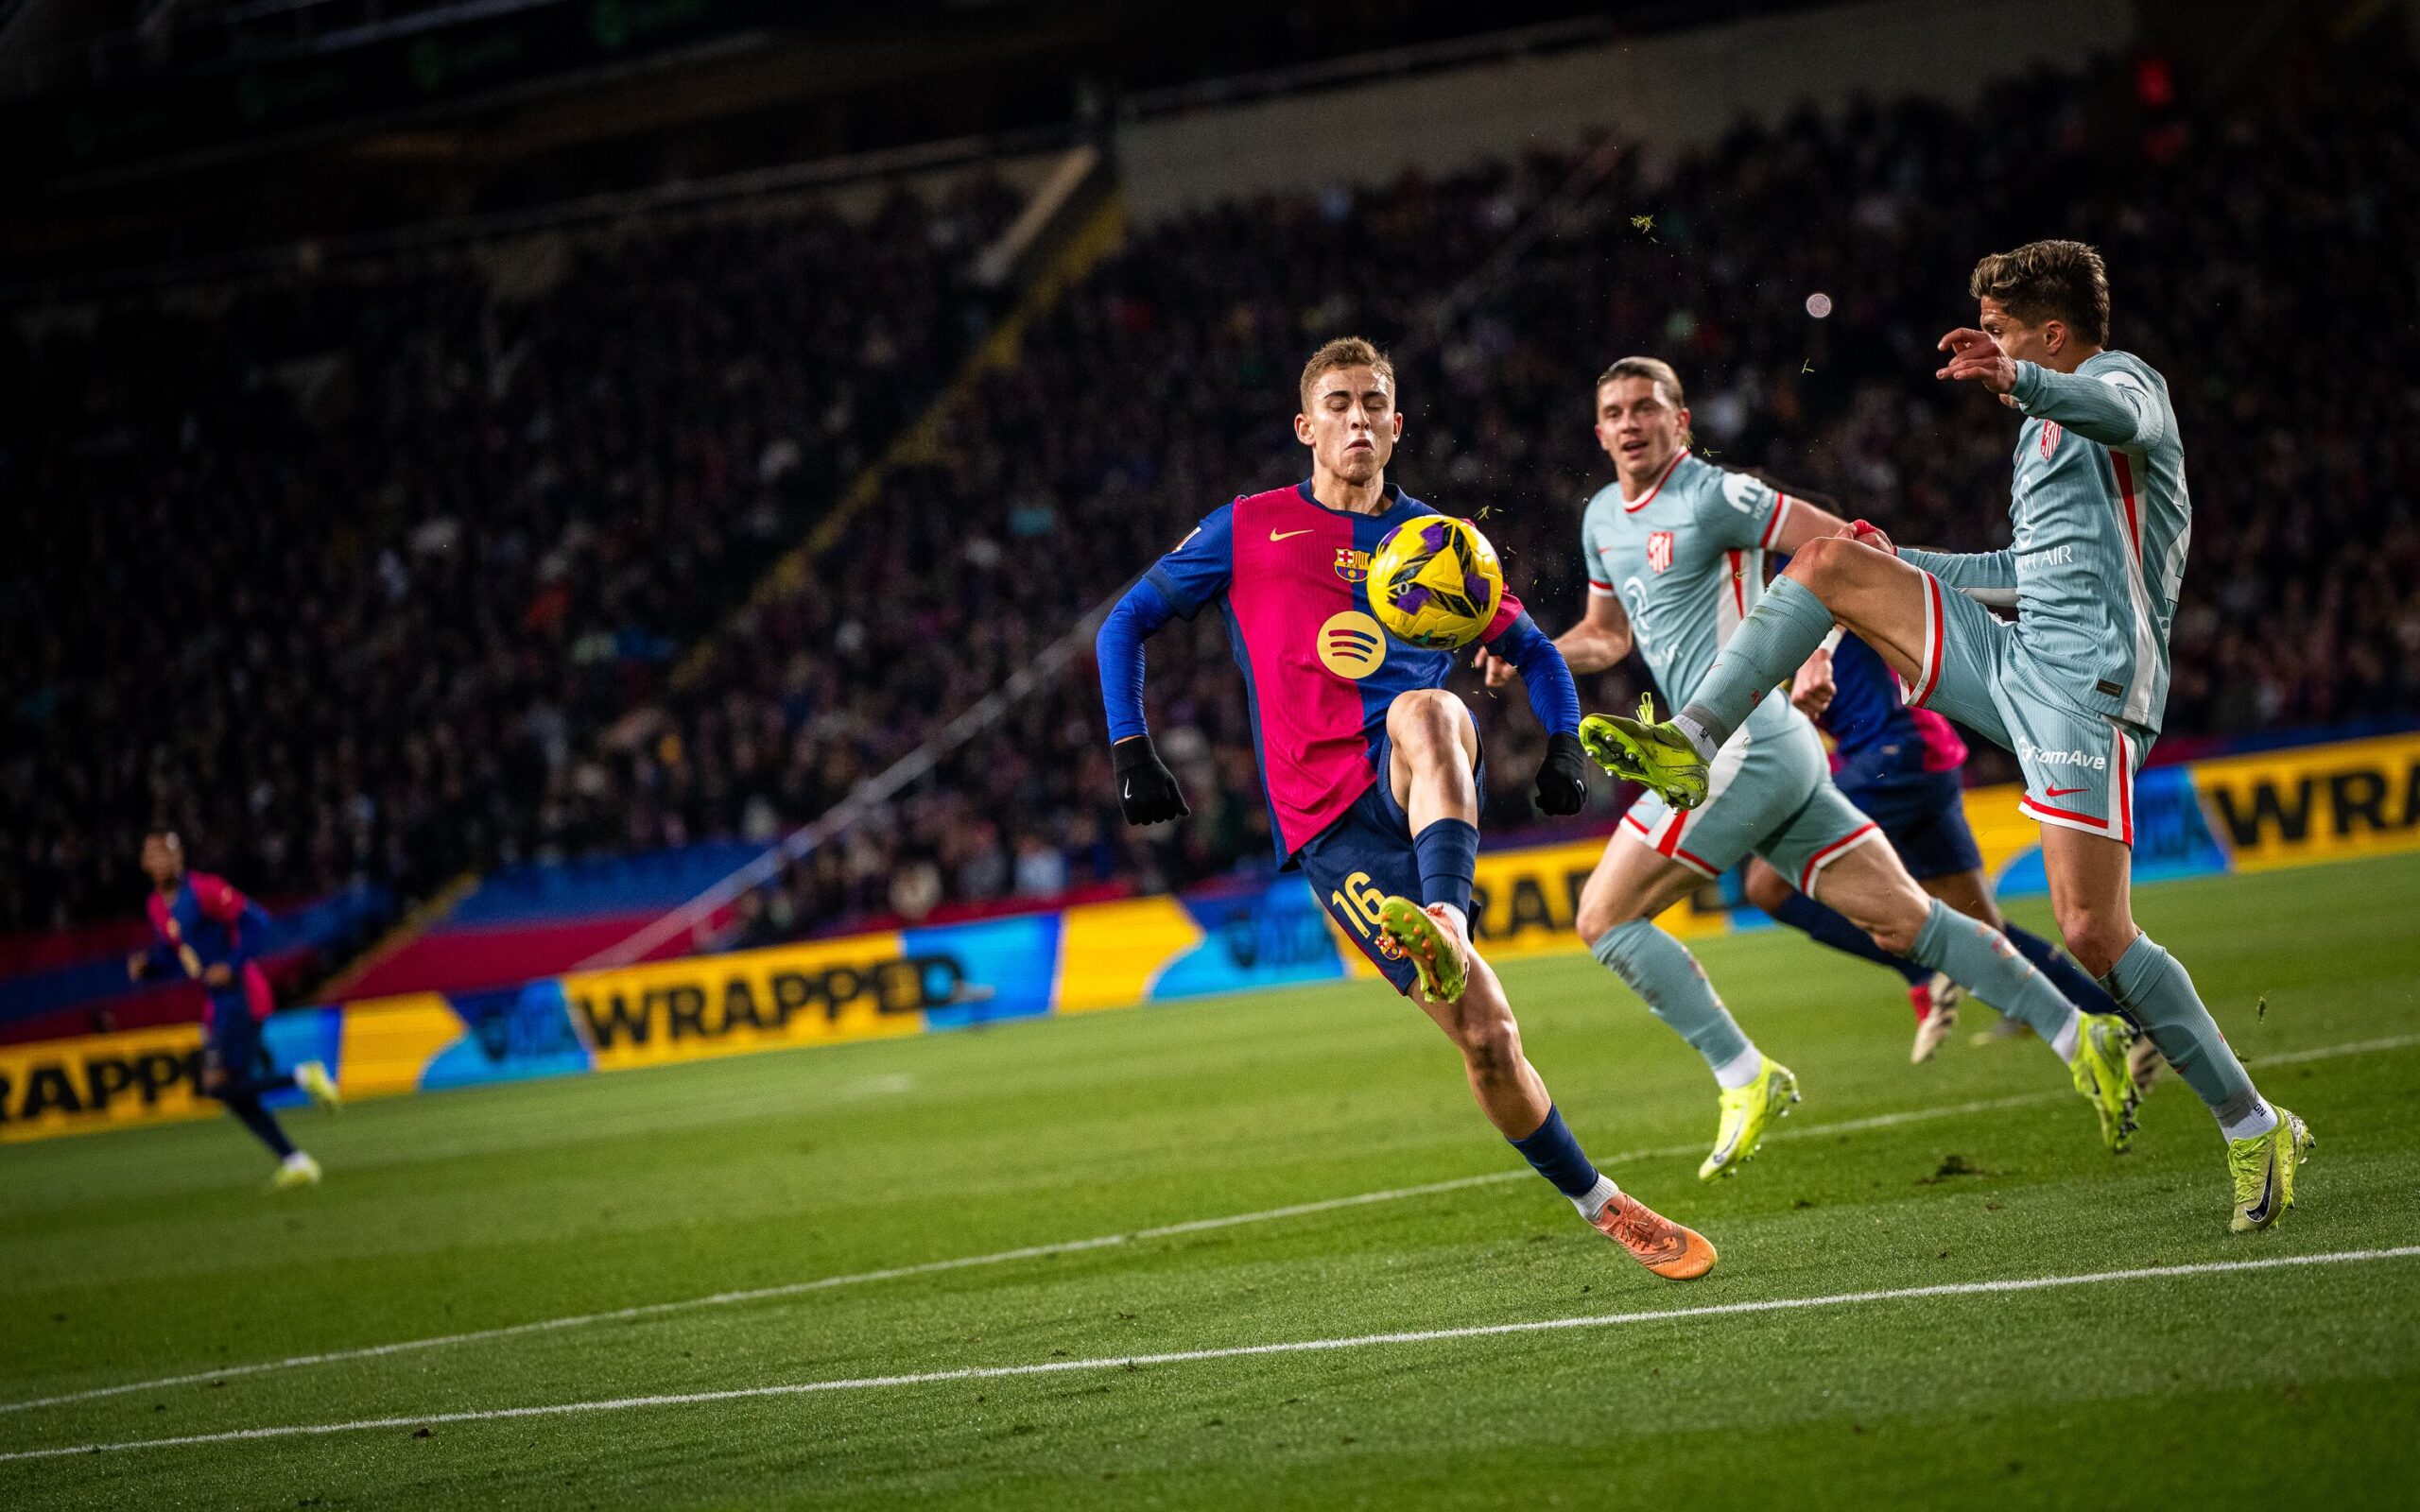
point(556, 493)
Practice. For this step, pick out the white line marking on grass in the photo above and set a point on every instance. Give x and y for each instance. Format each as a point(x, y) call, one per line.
point(1359, 1341)
point(1070, 1246)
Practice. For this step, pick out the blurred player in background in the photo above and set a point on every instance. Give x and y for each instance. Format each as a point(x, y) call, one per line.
point(1675, 558)
point(1370, 766)
point(206, 928)
point(1899, 765)
point(2076, 687)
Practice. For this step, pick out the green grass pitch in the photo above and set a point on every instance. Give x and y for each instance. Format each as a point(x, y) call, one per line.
point(156, 1253)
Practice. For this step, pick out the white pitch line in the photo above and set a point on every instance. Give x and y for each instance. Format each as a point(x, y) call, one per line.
point(1129, 1362)
point(1069, 1247)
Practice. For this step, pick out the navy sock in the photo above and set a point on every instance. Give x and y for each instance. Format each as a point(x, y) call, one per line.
point(2073, 981)
point(1558, 1156)
point(1827, 926)
point(249, 1112)
point(1447, 852)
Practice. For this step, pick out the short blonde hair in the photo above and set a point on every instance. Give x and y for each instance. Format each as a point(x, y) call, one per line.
point(1345, 351)
point(1656, 371)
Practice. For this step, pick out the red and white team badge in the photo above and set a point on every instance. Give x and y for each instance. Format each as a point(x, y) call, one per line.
point(1659, 550)
point(2051, 434)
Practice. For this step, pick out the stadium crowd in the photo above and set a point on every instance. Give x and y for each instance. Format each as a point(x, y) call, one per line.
point(422, 624)
point(342, 574)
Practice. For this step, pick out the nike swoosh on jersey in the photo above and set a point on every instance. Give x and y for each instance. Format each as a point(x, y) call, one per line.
point(2061, 792)
point(1290, 534)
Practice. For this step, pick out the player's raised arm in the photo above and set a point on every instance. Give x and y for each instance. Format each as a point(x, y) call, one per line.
point(1177, 586)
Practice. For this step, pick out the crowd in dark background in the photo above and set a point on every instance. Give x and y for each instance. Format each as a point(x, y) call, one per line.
point(423, 621)
point(342, 574)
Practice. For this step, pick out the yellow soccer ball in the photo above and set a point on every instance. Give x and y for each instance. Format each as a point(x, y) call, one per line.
point(1435, 582)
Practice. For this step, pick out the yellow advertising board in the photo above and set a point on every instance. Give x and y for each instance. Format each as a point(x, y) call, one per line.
point(2286, 808)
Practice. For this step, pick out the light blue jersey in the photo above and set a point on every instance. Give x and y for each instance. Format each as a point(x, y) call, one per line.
point(2101, 524)
point(1686, 558)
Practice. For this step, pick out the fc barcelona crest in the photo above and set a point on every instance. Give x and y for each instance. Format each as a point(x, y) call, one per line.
point(1659, 550)
point(1353, 566)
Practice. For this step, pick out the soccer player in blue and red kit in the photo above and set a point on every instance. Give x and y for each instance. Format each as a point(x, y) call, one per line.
point(1369, 765)
point(1899, 765)
point(203, 926)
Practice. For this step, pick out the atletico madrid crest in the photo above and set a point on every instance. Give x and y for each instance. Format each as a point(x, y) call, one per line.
point(1659, 550)
point(2051, 434)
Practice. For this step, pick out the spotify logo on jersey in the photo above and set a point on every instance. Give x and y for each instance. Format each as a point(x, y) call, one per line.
point(1352, 644)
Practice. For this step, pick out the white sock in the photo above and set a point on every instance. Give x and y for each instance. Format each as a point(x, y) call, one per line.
point(1741, 1069)
point(2069, 1040)
point(1461, 922)
point(1700, 741)
point(1592, 1205)
point(2259, 1120)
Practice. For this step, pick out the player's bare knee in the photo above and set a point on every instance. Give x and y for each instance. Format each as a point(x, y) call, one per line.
point(1424, 716)
point(2096, 938)
point(1596, 915)
point(1818, 563)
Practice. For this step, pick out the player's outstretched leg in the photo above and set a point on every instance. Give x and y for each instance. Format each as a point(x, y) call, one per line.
point(2089, 875)
point(1868, 884)
point(1617, 907)
point(1515, 1099)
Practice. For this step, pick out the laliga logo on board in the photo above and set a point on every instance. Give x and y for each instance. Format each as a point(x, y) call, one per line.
point(1353, 566)
point(1352, 644)
point(1659, 550)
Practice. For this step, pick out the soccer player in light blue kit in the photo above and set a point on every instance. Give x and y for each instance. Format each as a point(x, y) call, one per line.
point(2076, 687)
point(1675, 554)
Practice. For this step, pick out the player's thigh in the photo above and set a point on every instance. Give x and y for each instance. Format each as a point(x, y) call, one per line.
point(1354, 864)
point(1831, 852)
point(2091, 894)
point(1632, 881)
point(1880, 598)
point(1409, 741)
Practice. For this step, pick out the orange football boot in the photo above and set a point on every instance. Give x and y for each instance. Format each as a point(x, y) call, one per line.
point(1668, 1249)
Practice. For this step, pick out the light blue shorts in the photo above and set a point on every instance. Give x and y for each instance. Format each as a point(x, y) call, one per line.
point(1770, 794)
point(2079, 764)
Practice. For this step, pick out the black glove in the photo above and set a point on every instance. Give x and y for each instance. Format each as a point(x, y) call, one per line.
point(1147, 790)
point(1563, 777)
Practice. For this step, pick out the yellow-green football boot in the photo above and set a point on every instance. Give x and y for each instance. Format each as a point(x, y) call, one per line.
point(1747, 1111)
point(1640, 751)
point(2263, 1168)
point(296, 1170)
point(2102, 1074)
point(319, 1086)
point(1444, 972)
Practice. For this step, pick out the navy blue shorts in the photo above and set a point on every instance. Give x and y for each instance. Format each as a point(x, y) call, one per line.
point(1924, 820)
point(1357, 862)
point(233, 1043)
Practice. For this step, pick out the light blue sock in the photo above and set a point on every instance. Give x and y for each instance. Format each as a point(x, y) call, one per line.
point(1661, 969)
point(2158, 992)
point(1779, 634)
point(1981, 959)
